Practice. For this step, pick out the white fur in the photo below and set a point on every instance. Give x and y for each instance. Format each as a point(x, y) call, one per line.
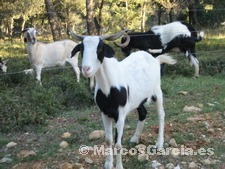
point(3, 65)
point(170, 31)
point(53, 54)
point(141, 73)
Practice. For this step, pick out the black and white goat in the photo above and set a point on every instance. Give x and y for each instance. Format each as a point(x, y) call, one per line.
point(3, 65)
point(122, 87)
point(42, 55)
point(162, 38)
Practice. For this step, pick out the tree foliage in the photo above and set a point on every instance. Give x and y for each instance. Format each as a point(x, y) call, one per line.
point(107, 16)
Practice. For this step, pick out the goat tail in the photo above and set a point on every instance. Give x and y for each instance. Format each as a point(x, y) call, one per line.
point(199, 38)
point(167, 59)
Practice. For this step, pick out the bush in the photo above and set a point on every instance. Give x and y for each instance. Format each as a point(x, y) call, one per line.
point(24, 102)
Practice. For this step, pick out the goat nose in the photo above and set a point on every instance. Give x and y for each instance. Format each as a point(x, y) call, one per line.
point(85, 69)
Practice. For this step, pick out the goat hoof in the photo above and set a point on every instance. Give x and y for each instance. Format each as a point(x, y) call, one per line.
point(134, 140)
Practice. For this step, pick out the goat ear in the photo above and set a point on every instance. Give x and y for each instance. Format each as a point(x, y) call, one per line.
point(108, 52)
point(5, 61)
point(23, 31)
point(75, 50)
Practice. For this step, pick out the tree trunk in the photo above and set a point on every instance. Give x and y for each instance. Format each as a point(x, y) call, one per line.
point(90, 18)
point(171, 15)
point(143, 14)
point(193, 12)
point(53, 20)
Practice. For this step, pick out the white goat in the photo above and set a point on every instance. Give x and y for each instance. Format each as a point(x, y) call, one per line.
point(122, 87)
point(3, 65)
point(43, 55)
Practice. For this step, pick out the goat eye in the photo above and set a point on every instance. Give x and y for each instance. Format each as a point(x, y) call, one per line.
point(99, 50)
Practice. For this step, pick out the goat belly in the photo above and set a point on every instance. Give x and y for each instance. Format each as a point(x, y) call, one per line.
point(109, 104)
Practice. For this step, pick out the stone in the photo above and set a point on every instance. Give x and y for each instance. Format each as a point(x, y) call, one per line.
point(170, 166)
point(88, 160)
point(142, 157)
point(63, 144)
point(37, 166)
point(66, 166)
point(193, 165)
point(5, 160)
point(173, 143)
point(175, 152)
point(207, 162)
point(155, 164)
point(191, 109)
point(140, 148)
point(196, 119)
point(177, 167)
point(11, 144)
point(77, 166)
point(26, 153)
point(183, 92)
point(97, 134)
point(210, 131)
point(66, 135)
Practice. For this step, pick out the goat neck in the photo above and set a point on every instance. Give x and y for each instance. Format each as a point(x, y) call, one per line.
point(107, 75)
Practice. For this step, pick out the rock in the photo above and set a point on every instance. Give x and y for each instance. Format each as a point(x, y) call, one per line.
point(191, 109)
point(26, 153)
point(170, 166)
point(141, 148)
point(206, 124)
point(5, 160)
point(200, 105)
point(173, 143)
point(211, 104)
point(196, 119)
point(127, 127)
point(193, 165)
point(97, 134)
point(183, 92)
point(88, 160)
point(177, 167)
point(207, 162)
point(142, 157)
point(11, 144)
point(66, 166)
point(218, 129)
point(37, 166)
point(66, 135)
point(210, 131)
point(78, 166)
point(63, 144)
point(175, 152)
point(155, 164)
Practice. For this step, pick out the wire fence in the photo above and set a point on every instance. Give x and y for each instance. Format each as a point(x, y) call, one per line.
point(220, 53)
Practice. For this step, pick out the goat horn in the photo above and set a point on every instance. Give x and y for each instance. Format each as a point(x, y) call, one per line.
point(113, 36)
point(123, 45)
point(77, 37)
point(24, 30)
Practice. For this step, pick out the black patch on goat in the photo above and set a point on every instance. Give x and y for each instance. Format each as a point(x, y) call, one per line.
point(142, 41)
point(109, 104)
point(79, 47)
point(104, 50)
point(142, 111)
point(191, 29)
